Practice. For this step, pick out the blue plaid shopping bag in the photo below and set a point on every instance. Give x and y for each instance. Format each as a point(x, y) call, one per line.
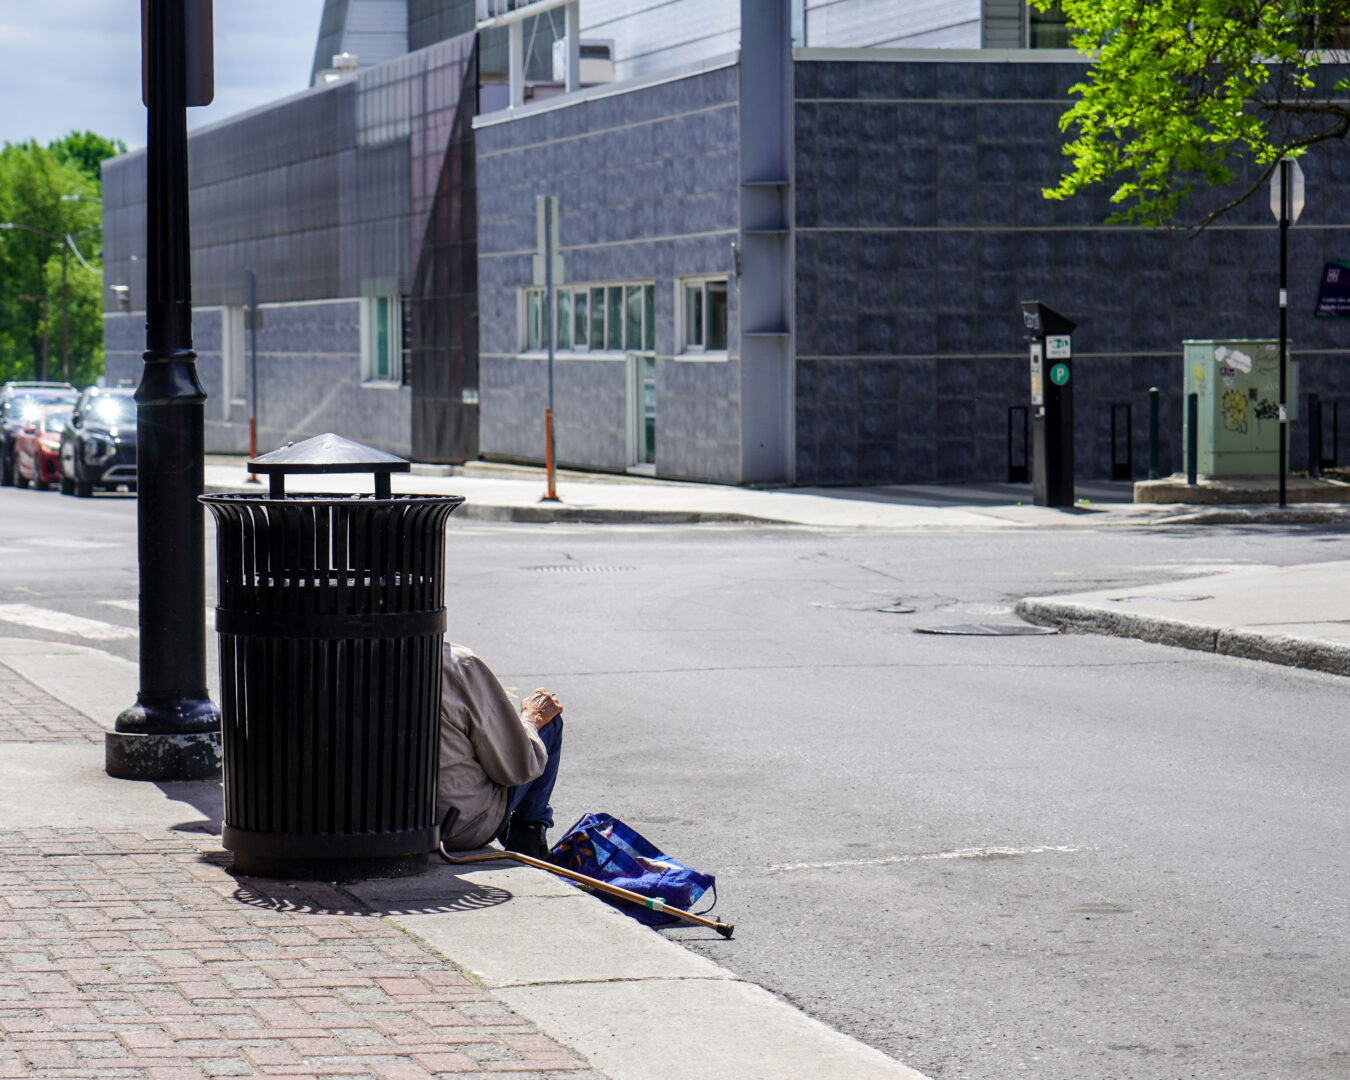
point(603, 847)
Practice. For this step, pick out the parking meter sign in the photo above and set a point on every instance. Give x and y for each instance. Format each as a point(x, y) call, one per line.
point(1057, 347)
point(1059, 374)
point(1037, 386)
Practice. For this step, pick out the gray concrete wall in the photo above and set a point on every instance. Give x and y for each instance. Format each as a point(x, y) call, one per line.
point(309, 378)
point(919, 228)
point(647, 187)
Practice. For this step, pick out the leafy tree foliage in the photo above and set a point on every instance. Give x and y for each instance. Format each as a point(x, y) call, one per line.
point(33, 179)
point(1184, 93)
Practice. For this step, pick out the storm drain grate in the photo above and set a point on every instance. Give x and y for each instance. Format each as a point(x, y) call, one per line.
point(577, 568)
point(986, 630)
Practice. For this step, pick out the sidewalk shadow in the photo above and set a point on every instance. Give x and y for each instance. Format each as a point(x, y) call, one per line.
point(968, 495)
point(207, 797)
point(449, 893)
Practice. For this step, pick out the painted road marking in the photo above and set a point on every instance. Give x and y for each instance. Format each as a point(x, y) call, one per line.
point(932, 856)
point(69, 543)
point(58, 622)
point(134, 606)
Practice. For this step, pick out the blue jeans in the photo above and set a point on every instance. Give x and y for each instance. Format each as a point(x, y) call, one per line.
point(530, 802)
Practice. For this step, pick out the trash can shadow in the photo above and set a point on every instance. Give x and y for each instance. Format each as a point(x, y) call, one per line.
point(331, 618)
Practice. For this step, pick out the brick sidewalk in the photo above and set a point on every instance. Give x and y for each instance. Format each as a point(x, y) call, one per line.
point(135, 954)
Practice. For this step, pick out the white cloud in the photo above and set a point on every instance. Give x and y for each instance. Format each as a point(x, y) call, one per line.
point(76, 64)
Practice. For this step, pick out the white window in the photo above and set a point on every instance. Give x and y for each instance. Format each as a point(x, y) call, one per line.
point(593, 318)
point(381, 339)
point(233, 354)
point(703, 315)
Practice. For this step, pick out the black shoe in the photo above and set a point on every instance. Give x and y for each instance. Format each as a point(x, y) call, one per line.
point(527, 838)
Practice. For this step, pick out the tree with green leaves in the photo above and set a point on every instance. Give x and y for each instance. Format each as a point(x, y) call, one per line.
point(1187, 95)
point(47, 195)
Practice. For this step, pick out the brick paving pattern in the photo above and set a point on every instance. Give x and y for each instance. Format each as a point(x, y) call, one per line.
point(27, 714)
point(135, 955)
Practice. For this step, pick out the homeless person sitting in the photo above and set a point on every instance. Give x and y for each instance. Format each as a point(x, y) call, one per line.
point(497, 768)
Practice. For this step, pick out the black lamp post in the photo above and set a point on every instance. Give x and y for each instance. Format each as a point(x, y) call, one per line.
point(173, 730)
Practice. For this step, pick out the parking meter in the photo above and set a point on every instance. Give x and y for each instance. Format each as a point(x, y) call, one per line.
point(1049, 336)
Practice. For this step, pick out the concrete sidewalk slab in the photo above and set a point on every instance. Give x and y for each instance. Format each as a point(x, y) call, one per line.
point(94, 683)
point(641, 500)
point(1293, 615)
point(574, 966)
point(702, 1030)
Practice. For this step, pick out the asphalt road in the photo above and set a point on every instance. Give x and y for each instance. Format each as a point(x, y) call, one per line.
point(1057, 856)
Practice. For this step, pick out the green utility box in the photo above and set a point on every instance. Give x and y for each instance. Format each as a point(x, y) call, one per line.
point(1238, 383)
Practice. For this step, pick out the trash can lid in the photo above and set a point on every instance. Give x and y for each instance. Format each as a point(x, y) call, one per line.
point(327, 453)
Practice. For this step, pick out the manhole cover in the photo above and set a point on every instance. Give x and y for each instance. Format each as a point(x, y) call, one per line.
point(986, 630)
point(895, 609)
point(576, 568)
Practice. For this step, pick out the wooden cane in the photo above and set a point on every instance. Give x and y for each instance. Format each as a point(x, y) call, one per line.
point(653, 903)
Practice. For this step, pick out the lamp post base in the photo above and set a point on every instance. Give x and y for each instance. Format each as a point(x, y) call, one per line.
point(148, 756)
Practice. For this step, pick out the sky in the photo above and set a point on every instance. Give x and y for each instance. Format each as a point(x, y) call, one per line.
point(76, 64)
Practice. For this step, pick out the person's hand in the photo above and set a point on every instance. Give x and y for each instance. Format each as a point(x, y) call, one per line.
point(539, 708)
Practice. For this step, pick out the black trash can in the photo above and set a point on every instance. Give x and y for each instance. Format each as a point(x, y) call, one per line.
point(330, 612)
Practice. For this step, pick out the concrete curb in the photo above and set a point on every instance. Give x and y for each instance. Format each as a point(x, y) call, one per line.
point(1307, 514)
point(535, 515)
point(1243, 644)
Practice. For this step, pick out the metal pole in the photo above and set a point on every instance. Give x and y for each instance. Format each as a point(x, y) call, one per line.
point(46, 336)
point(173, 730)
point(1314, 437)
point(65, 313)
point(251, 288)
point(1192, 438)
point(1153, 433)
point(1284, 321)
point(551, 494)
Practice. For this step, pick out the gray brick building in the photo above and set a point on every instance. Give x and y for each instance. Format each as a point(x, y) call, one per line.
point(777, 264)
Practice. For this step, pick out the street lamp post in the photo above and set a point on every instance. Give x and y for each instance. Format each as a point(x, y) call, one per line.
point(44, 302)
point(173, 730)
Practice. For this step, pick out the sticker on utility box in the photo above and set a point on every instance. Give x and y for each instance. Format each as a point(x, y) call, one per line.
point(1057, 347)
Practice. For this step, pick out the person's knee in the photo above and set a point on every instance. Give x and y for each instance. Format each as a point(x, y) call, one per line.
point(551, 733)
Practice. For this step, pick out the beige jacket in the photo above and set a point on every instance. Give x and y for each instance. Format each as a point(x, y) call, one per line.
point(486, 748)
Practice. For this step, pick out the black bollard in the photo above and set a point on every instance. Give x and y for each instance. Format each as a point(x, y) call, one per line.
point(1153, 433)
point(1192, 438)
point(1314, 437)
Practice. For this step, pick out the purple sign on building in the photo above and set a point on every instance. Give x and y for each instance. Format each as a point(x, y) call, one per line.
point(1333, 301)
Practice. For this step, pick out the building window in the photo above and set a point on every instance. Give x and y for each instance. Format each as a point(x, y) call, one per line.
point(593, 318)
point(1049, 29)
point(405, 340)
point(233, 382)
point(703, 310)
point(382, 339)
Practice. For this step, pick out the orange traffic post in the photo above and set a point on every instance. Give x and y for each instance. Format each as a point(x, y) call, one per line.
point(252, 450)
point(551, 494)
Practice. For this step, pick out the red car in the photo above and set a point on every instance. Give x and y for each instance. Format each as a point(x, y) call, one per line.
point(37, 449)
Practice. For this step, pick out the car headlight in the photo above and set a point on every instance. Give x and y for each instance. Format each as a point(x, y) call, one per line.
point(97, 449)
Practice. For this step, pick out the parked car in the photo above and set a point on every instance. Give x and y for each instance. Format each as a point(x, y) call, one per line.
point(98, 444)
point(19, 403)
point(37, 448)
